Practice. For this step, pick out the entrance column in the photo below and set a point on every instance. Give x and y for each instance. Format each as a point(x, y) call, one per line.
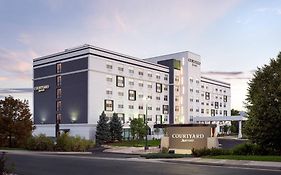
point(240, 130)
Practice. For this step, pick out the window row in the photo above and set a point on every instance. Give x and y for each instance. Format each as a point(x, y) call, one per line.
point(109, 106)
point(131, 71)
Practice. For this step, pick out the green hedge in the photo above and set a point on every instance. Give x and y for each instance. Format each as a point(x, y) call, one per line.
point(242, 149)
point(40, 143)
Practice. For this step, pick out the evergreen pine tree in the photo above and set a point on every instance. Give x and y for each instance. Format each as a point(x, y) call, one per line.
point(115, 128)
point(103, 131)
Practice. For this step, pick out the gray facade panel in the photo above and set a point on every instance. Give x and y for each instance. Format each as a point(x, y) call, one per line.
point(75, 98)
point(44, 71)
point(170, 64)
point(45, 102)
point(75, 65)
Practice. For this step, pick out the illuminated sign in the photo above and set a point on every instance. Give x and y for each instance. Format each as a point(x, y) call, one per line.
point(41, 88)
point(194, 62)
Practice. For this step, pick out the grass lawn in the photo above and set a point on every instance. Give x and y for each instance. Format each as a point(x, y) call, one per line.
point(240, 157)
point(135, 143)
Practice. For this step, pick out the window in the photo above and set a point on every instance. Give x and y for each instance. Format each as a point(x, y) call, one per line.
point(165, 88)
point(149, 74)
point(108, 92)
point(177, 98)
point(108, 105)
point(59, 105)
point(121, 69)
point(120, 106)
point(131, 70)
point(109, 78)
point(158, 77)
point(197, 81)
point(59, 80)
point(165, 97)
point(132, 95)
point(197, 100)
point(225, 112)
point(202, 111)
point(216, 105)
point(131, 82)
point(191, 109)
point(207, 95)
point(140, 73)
point(202, 95)
point(120, 93)
point(207, 111)
point(177, 78)
point(59, 93)
point(120, 81)
point(149, 118)
point(131, 106)
point(149, 108)
point(149, 97)
point(224, 98)
point(149, 85)
point(191, 90)
point(141, 107)
point(191, 118)
point(213, 112)
point(58, 68)
point(197, 110)
point(166, 118)
point(158, 87)
point(121, 117)
point(165, 109)
point(158, 98)
point(166, 77)
point(202, 103)
point(158, 119)
point(177, 108)
point(140, 84)
point(191, 80)
point(197, 91)
point(202, 86)
point(141, 96)
point(109, 66)
point(158, 108)
point(191, 100)
point(58, 118)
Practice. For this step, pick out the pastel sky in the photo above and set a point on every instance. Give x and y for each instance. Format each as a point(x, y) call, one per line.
point(233, 37)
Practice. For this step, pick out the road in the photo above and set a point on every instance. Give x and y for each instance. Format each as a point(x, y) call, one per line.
point(35, 164)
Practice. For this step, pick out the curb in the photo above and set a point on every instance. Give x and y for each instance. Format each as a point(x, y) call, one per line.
point(224, 164)
point(45, 152)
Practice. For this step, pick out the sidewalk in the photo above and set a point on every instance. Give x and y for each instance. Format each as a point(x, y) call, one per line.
point(228, 163)
point(130, 150)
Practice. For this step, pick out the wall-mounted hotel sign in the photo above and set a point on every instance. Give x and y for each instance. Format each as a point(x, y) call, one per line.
point(41, 88)
point(188, 137)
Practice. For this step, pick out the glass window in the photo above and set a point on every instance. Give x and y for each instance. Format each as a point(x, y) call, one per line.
point(207, 95)
point(132, 95)
point(108, 105)
point(165, 109)
point(59, 93)
point(58, 118)
point(59, 105)
point(120, 81)
point(131, 106)
point(224, 98)
point(121, 69)
point(121, 117)
point(158, 87)
point(59, 80)
point(120, 93)
point(140, 73)
point(109, 78)
point(58, 68)
point(109, 65)
point(165, 97)
point(158, 119)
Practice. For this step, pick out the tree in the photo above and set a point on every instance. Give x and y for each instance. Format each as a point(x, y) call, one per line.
point(15, 122)
point(264, 106)
point(138, 128)
point(103, 131)
point(116, 128)
point(234, 124)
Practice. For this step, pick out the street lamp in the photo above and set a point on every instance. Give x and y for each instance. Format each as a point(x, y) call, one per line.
point(146, 126)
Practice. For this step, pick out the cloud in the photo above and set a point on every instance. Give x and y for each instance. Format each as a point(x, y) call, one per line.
point(16, 64)
point(276, 11)
point(15, 90)
point(230, 75)
point(3, 78)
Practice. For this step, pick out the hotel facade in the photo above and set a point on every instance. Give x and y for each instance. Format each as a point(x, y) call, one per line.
point(75, 86)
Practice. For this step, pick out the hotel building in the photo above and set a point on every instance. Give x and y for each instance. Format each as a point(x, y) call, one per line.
point(75, 86)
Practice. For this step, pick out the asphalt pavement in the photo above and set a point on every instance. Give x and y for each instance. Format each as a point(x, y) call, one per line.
point(27, 163)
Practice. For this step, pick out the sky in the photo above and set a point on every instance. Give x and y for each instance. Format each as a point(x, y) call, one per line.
point(233, 37)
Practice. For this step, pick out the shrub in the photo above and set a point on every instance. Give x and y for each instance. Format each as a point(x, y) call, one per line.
point(209, 152)
point(40, 143)
point(69, 143)
point(164, 150)
point(248, 149)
